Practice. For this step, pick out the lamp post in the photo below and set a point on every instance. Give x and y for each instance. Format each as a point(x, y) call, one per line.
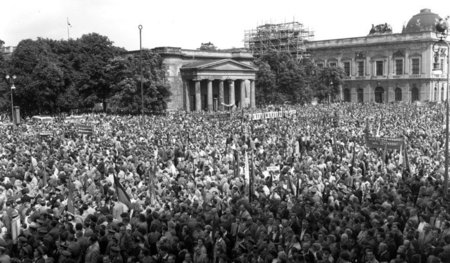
point(10, 80)
point(441, 33)
point(330, 91)
point(141, 74)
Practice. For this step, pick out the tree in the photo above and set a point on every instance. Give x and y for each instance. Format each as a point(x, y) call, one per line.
point(281, 77)
point(95, 52)
point(59, 75)
point(329, 79)
point(39, 76)
point(4, 101)
point(124, 76)
point(265, 81)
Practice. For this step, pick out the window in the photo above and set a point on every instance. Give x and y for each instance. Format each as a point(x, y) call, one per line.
point(442, 94)
point(415, 66)
point(360, 95)
point(361, 68)
point(379, 68)
point(347, 95)
point(442, 64)
point(415, 93)
point(399, 67)
point(347, 68)
point(398, 94)
point(332, 64)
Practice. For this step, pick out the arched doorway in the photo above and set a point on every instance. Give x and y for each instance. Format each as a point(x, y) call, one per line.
point(379, 92)
point(414, 94)
point(360, 93)
point(398, 94)
point(347, 96)
point(435, 93)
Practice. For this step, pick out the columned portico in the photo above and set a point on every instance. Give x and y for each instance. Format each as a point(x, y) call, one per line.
point(209, 95)
point(221, 95)
point(218, 83)
point(232, 100)
point(187, 104)
point(198, 97)
point(252, 94)
point(242, 99)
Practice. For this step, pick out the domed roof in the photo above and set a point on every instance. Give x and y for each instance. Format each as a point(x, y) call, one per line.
point(424, 21)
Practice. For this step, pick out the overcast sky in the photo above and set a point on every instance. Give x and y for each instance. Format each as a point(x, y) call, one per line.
point(188, 23)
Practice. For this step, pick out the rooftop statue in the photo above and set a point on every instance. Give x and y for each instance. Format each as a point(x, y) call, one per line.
point(380, 29)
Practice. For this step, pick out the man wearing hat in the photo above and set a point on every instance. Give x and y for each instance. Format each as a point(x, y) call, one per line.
point(114, 255)
point(3, 256)
point(93, 251)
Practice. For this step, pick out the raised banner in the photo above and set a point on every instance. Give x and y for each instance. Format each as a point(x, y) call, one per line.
point(382, 143)
point(220, 116)
point(270, 115)
point(85, 129)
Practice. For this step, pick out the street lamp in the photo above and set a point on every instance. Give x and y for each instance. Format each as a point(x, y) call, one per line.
point(10, 80)
point(141, 74)
point(442, 33)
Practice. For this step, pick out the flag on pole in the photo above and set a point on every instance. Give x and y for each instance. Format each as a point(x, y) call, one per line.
point(252, 178)
point(400, 158)
point(385, 154)
point(246, 170)
point(70, 206)
point(236, 163)
point(406, 165)
point(378, 130)
point(122, 195)
point(352, 168)
point(151, 176)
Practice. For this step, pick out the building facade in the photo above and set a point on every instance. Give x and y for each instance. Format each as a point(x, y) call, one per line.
point(209, 80)
point(385, 67)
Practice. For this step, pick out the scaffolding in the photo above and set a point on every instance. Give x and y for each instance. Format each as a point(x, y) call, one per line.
point(285, 37)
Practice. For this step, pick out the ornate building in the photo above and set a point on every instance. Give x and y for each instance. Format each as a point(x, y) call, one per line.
point(209, 79)
point(387, 67)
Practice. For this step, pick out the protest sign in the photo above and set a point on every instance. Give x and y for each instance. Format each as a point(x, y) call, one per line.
point(382, 143)
point(85, 129)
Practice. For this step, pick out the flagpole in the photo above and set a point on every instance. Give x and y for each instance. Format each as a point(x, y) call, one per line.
point(68, 29)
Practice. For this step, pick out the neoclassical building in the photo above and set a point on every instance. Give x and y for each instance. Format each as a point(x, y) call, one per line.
point(385, 66)
point(209, 80)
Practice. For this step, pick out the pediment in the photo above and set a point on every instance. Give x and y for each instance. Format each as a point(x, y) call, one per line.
point(221, 65)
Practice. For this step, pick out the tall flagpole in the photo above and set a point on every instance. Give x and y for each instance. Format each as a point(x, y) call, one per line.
point(68, 28)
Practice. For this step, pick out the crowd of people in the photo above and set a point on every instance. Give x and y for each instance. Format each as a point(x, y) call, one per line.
point(298, 188)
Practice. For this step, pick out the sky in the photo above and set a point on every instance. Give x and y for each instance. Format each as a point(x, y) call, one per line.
point(188, 23)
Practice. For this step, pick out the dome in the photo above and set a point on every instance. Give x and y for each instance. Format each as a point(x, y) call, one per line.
point(424, 21)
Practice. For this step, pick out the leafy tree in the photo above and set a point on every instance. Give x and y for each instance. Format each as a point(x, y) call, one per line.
point(328, 81)
point(95, 52)
point(59, 75)
point(125, 79)
point(265, 81)
point(4, 101)
point(281, 77)
point(39, 76)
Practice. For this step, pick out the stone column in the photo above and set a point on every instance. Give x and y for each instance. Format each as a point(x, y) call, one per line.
point(252, 94)
point(242, 90)
point(231, 87)
point(198, 97)
point(221, 95)
point(209, 95)
point(187, 103)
